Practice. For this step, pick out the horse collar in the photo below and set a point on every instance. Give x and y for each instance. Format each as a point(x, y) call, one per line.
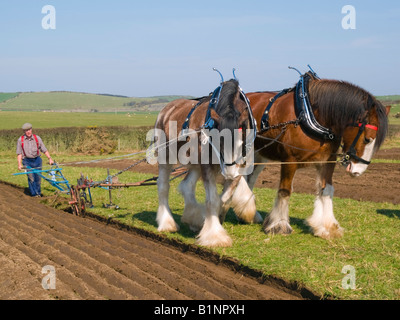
point(305, 114)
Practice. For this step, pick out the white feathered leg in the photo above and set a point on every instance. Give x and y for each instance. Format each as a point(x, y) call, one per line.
point(194, 212)
point(212, 234)
point(322, 222)
point(164, 218)
point(277, 222)
point(243, 200)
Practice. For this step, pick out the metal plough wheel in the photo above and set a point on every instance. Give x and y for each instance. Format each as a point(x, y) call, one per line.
point(77, 202)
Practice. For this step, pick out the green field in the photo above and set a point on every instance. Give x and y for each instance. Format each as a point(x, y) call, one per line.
point(390, 99)
point(15, 120)
point(87, 102)
point(79, 102)
point(7, 96)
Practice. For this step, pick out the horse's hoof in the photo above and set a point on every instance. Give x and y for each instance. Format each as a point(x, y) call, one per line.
point(168, 227)
point(333, 232)
point(282, 227)
point(215, 243)
point(212, 238)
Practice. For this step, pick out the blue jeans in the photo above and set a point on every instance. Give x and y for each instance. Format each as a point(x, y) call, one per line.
point(34, 180)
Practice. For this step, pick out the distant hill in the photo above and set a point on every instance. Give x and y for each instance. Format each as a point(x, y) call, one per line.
point(4, 96)
point(390, 100)
point(64, 101)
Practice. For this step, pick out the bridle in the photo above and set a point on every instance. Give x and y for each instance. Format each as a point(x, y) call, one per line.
point(352, 153)
point(210, 123)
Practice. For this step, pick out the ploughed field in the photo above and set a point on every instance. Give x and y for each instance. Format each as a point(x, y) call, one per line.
point(93, 260)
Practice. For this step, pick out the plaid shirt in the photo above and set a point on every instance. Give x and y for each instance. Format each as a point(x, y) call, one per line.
point(30, 147)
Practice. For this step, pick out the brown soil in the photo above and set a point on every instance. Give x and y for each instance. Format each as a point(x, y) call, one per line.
point(94, 260)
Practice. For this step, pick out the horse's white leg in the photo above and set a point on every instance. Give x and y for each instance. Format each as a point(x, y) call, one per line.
point(226, 196)
point(243, 200)
point(322, 222)
point(194, 212)
point(164, 216)
point(277, 222)
point(212, 234)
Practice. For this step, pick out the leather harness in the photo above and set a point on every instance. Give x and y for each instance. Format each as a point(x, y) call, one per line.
point(308, 123)
point(304, 113)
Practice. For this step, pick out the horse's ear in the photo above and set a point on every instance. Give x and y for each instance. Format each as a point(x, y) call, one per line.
point(244, 117)
point(388, 110)
point(215, 116)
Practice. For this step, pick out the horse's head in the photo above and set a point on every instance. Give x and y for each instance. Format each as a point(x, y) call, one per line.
point(363, 139)
point(355, 116)
point(232, 130)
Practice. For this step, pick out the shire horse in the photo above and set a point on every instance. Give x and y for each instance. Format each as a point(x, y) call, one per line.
point(226, 110)
point(339, 112)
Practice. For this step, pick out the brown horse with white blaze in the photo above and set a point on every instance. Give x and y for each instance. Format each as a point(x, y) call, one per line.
point(226, 111)
point(351, 116)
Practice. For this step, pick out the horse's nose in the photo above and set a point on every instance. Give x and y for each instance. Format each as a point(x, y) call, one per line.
point(356, 170)
point(230, 172)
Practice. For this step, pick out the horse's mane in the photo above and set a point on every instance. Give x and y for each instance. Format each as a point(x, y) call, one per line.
point(226, 106)
point(338, 104)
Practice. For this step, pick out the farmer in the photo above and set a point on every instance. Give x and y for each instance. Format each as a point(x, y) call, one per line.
point(29, 146)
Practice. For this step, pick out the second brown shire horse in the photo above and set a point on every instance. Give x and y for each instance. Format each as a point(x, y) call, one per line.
point(339, 112)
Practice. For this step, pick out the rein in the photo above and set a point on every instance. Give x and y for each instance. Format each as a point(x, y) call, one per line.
point(351, 154)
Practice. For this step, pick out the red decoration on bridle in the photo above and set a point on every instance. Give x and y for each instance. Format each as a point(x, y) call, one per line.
point(369, 126)
point(352, 153)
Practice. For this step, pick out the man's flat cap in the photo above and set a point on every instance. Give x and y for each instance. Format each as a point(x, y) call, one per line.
point(26, 126)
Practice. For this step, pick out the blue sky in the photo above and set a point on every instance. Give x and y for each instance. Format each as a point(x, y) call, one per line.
point(146, 48)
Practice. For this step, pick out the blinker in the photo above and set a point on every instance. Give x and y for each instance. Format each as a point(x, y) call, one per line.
point(210, 124)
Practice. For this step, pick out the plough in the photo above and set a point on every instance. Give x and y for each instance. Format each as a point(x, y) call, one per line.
point(53, 175)
point(81, 195)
